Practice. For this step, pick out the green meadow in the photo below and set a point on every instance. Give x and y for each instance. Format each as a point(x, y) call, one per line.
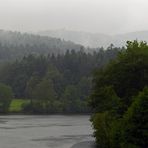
point(17, 105)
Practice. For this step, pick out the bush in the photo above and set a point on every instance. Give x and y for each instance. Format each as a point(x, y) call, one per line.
point(6, 95)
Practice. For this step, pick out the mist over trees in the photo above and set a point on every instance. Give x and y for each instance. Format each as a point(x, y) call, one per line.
point(95, 40)
point(16, 45)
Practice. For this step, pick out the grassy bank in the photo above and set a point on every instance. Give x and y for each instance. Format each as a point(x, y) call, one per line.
point(16, 105)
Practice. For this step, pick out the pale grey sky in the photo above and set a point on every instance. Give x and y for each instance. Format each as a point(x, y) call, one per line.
point(102, 16)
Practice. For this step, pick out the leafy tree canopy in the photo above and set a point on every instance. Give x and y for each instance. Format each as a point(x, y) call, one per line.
point(120, 114)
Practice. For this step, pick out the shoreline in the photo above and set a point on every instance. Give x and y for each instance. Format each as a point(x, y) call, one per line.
point(85, 144)
point(66, 114)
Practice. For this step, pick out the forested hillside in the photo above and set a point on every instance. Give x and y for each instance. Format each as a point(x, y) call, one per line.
point(54, 84)
point(16, 45)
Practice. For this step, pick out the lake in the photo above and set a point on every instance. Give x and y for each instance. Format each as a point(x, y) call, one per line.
point(53, 131)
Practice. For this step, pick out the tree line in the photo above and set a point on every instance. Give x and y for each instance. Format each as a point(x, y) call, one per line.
point(54, 83)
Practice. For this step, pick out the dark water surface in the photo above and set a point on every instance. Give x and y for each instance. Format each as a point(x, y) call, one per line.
point(55, 131)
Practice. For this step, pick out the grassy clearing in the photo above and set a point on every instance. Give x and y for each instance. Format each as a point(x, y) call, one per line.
point(16, 105)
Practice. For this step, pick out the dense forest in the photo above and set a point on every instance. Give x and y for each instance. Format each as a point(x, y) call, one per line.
point(120, 99)
point(54, 83)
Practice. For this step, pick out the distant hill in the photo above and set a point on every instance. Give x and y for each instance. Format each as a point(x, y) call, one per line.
point(15, 45)
point(83, 38)
point(95, 40)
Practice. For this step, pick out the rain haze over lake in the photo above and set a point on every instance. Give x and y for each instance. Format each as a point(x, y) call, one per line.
point(57, 44)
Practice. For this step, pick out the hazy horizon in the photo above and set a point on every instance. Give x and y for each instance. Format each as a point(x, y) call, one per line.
point(97, 16)
point(37, 32)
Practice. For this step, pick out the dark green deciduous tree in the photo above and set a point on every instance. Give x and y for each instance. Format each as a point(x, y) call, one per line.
point(6, 95)
point(116, 109)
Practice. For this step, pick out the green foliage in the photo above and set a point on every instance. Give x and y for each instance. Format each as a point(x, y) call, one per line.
point(6, 95)
point(115, 94)
point(135, 121)
point(102, 126)
point(105, 99)
point(127, 74)
point(72, 102)
point(44, 96)
point(107, 113)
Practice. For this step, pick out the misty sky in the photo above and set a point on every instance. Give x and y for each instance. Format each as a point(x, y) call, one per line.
point(102, 16)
